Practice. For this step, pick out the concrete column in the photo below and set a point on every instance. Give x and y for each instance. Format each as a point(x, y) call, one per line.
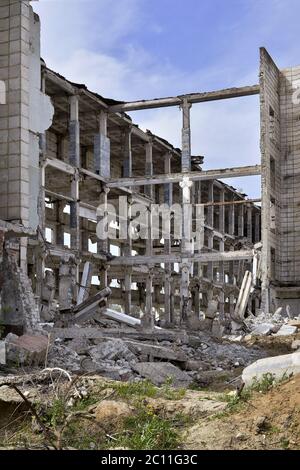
point(249, 223)
point(85, 283)
point(210, 223)
point(241, 220)
point(168, 199)
point(148, 319)
point(257, 227)
point(127, 251)
point(102, 148)
point(222, 212)
point(210, 209)
point(222, 279)
point(127, 286)
point(149, 167)
point(74, 132)
point(186, 248)
point(67, 282)
point(210, 271)
point(127, 153)
point(231, 281)
point(59, 235)
point(232, 220)
point(103, 245)
point(85, 235)
point(74, 213)
point(186, 136)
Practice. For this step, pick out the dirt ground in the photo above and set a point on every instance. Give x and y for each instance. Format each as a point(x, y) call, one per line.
point(267, 421)
point(205, 420)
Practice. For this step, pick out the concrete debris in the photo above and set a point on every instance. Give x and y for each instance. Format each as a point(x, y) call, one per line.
point(160, 372)
point(2, 353)
point(266, 324)
point(63, 357)
point(217, 328)
point(286, 330)
point(115, 370)
point(212, 309)
point(263, 329)
point(26, 350)
point(111, 350)
point(152, 352)
point(79, 345)
point(121, 317)
point(279, 367)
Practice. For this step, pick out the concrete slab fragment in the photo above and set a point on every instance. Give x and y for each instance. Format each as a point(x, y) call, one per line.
point(286, 330)
point(278, 366)
point(159, 372)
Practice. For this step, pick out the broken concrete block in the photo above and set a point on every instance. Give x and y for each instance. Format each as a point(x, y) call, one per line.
point(160, 372)
point(212, 309)
point(79, 345)
point(279, 366)
point(286, 330)
point(217, 328)
point(263, 329)
point(111, 350)
point(2, 353)
point(26, 349)
point(196, 365)
point(63, 357)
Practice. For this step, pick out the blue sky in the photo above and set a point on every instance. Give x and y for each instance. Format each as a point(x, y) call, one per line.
point(132, 49)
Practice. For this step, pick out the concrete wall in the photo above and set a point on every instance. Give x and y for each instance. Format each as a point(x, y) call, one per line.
point(290, 178)
point(26, 114)
point(270, 161)
point(280, 148)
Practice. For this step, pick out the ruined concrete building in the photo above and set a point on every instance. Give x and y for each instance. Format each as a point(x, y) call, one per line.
point(64, 150)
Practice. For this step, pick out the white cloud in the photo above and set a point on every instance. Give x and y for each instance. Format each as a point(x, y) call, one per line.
point(91, 46)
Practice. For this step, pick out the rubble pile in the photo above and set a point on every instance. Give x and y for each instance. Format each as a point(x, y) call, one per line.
point(114, 349)
point(277, 324)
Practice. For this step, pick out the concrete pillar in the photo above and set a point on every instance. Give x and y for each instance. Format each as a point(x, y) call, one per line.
point(127, 153)
point(222, 212)
point(85, 235)
point(241, 220)
point(186, 136)
point(222, 279)
point(210, 209)
point(249, 223)
point(127, 293)
point(186, 248)
point(210, 223)
point(59, 232)
point(168, 199)
point(149, 167)
point(74, 213)
point(103, 245)
point(67, 282)
point(74, 132)
point(257, 227)
point(148, 319)
point(127, 251)
point(102, 148)
point(85, 282)
point(210, 271)
point(232, 220)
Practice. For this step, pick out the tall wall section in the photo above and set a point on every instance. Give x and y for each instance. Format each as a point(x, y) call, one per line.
point(280, 149)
